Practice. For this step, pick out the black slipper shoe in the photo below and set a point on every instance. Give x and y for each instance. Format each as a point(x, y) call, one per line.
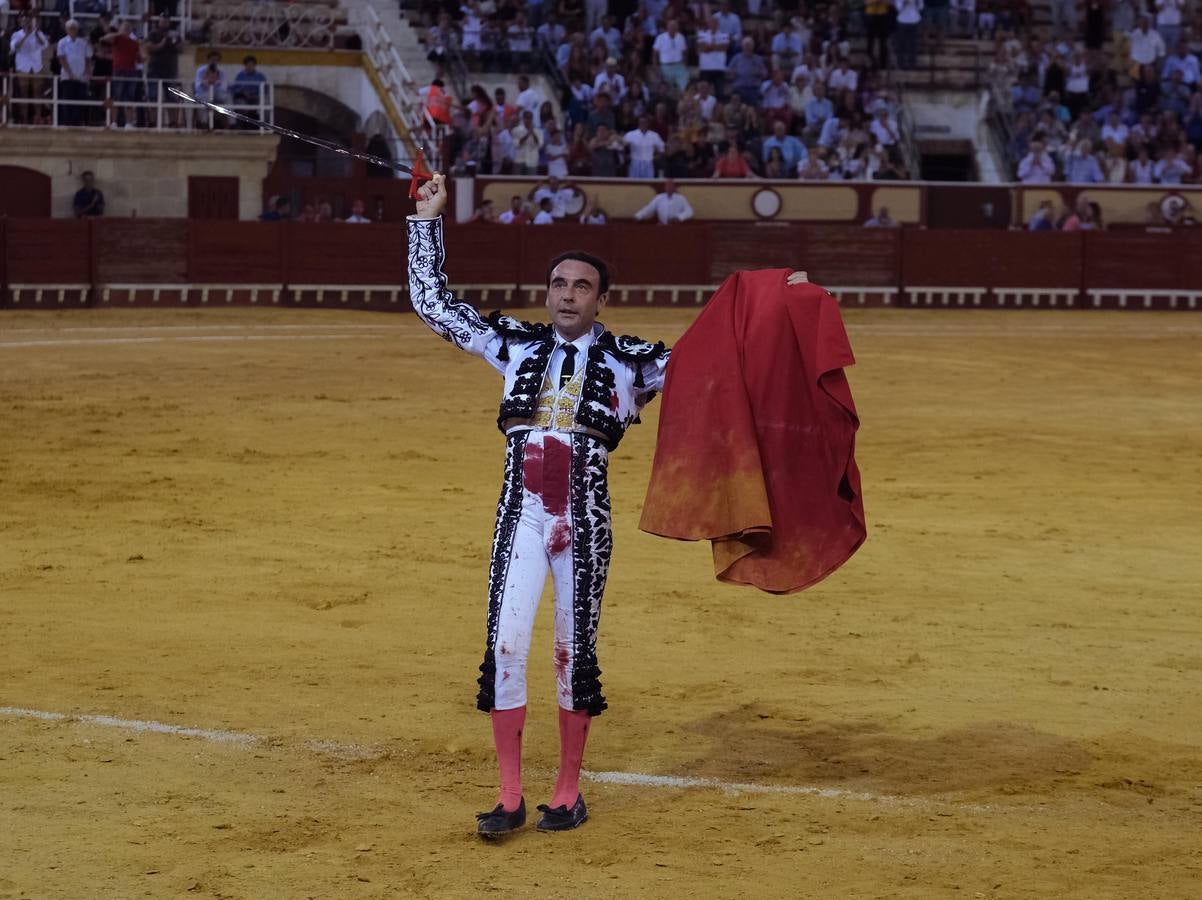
point(561, 818)
point(498, 822)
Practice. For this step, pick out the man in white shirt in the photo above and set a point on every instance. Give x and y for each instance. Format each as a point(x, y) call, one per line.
point(74, 57)
point(669, 206)
point(642, 144)
point(611, 81)
point(1184, 62)
point(884, 129)
point(729, 22)
point(27, 46)
point(706, 100)
point(356, 217)
point(1147, 45)
point(544, 216)
point(1168, 20)
point(712, 46)
point(559, 196)
point(530, 99)
point(1037, 167)
point(1114, 132)
point(669, 50)
point(527, 142)
point(842, 78)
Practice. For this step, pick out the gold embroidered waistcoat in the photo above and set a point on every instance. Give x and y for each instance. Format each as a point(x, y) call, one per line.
point(556, 410)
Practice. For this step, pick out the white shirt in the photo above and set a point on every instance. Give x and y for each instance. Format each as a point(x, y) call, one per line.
point(707, 106)
point(1078, 79)
point(507, 217)
point(1146, 46)
point(667, 209)
point(612, 38)
point(840, 80)
point(520, 39)
point(615, 84)
point(357, 220)
point(1168, 12)
point(909, 12)
point(712, 60)
point(555, 363)
point(1033, 170)
point(559, 199)
point(544, 218)
point(885, 132)
point(1115, 133)
point(557, 155)
point(1141, 172)
point(526, 145)
point(531, 99)
point(671, 48)
point(76, 52)
point(28, 59)
point(643, 144)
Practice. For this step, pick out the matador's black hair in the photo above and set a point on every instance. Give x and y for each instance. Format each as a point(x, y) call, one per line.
point(596, 262)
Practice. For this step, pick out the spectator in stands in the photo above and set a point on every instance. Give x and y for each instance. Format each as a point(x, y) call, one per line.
point(89, 200)
point(667, 206)
point(501, 150)
point(556, 150)
point(28, 48)
point(530, 99)
point(878, 25)
point(1114, 165)
point(559, 195)
point(1082, 216)
point(1147, 46)
point(610, 81)
point(1082, 166)
point(126, 51)
point(1181, 60)
point(209, 81)
point(643, 145)
point(1043, 219)
point(813, 167)
point(248, 84)
point(882, 219)
point(774, 99)
point(527, 142)
point(595, 13)
point(1171, 168)
point(1037, 167)
point(1168, 20)
point(516, 214)
point(74, 58)
point(520, 42)
point(669, 49)
point(607, 34)
point(789, 44)
point(358, 208)
point(593, 214)
point(1141, 170)
point(747, 71)
point(729, 22)
point(605, 150)
point(484, 213)
point(792, 151)
point(505, 111)
point(909, 18)
point(162, 60)
point(544, 215)
point(102, 64)
point(817, 111)
point(712, 46)
point(732, 164)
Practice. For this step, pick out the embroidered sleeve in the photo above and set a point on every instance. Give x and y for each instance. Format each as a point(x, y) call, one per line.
point(446, 315)
point(653, 371)
point(650, 362)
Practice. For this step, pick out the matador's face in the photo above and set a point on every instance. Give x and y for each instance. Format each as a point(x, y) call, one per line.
point(573, 299)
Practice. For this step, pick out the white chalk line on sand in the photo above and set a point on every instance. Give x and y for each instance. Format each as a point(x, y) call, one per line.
point(360, 752)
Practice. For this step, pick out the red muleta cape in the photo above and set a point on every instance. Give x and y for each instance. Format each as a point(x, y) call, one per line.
point(757, 436)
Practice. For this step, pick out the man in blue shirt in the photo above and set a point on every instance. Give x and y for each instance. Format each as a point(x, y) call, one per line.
point(792, 150)
point(747, 71)
point(818, 110)
point(248, 84)
point(1082, 166)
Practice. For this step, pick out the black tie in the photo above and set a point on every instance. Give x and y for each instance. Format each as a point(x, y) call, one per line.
point(568, 369)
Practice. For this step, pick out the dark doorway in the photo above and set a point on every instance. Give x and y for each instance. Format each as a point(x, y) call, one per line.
point(212, 197)
point(948, 161)
point(24, 193)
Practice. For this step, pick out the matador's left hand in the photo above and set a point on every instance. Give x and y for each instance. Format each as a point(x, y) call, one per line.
point(797, 278)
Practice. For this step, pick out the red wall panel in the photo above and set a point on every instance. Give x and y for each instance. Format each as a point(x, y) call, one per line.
point(851, 255)
point(238, 252)
point(48, 251)
point(947, 258)
point(337, 253)
point(141, 251)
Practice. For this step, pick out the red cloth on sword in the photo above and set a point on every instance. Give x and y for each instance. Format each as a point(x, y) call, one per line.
point(420, 173)
point(757, 436)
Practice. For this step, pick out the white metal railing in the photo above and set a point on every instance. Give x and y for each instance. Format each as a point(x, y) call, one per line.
point(40, 101)
point(249, 23)
point(382, 56)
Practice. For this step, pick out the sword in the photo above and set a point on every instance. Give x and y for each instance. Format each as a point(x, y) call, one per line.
point(295, 135)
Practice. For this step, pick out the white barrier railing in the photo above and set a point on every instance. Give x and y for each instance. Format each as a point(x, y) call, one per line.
point(42, 101)
point(248, 23)
point(135, 11)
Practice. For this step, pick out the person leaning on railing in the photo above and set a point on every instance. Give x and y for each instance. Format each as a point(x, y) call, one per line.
point(162, 59)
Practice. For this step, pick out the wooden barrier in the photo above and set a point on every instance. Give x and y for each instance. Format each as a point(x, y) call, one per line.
point(55, 262)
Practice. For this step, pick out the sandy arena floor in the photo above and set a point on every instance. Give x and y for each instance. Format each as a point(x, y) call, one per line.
point(276, 523)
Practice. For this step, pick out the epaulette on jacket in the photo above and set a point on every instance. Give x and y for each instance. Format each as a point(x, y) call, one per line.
point(510, 328)
point(632, 350)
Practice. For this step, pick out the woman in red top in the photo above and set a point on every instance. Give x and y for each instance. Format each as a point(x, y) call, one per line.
point(731, 164)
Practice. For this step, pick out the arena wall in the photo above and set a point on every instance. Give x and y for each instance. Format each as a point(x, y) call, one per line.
point(53, 263)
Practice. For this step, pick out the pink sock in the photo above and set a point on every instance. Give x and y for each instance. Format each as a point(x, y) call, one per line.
point(573, 732)
point(507, 725)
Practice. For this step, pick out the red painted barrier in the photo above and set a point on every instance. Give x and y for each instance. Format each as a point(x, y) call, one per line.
point(179, 261)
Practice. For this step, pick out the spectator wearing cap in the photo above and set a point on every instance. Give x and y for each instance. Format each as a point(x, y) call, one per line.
point(74, 57)
point(712, 46)
point(747, 71)
point(668, 206)
point(669, 49)
point(1147, 45)
point(610, 81)
point(1037, 167)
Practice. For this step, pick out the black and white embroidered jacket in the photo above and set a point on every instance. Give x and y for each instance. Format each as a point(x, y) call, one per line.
point(622, 374)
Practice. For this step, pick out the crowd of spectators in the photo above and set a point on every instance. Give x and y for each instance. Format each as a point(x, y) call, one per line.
point(1116, 101)
point(280, 209)
point(672, 90)
point(95, 58)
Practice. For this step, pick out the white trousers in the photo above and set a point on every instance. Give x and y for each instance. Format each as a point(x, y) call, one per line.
point(553, 518)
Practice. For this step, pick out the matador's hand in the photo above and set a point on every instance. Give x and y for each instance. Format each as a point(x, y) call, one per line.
point(432, 197)
point(797, 278)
